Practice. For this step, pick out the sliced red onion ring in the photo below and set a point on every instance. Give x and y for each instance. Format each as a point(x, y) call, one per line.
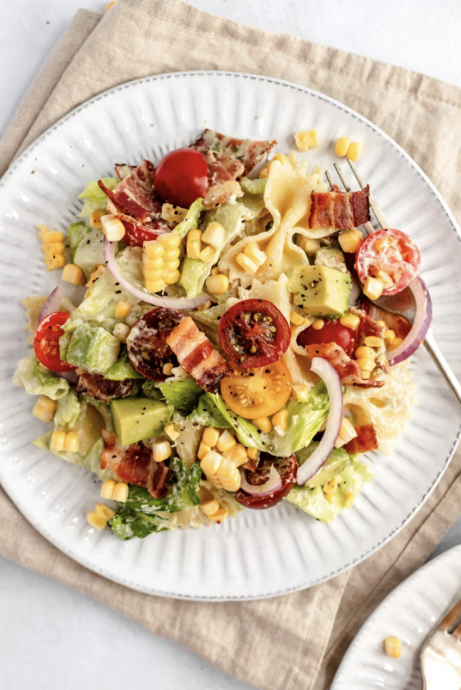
point(421, 323)
point(271, 486)
point(331, 379)
point(172, 302)
point(52, 303)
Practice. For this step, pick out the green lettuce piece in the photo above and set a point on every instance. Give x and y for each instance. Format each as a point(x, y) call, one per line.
point(253, 186)
point(91, 206)
point(127, 524)
point(191, 220)
point(76, 232)
point(337, 461)
point(183, 395)
point(38, 380)
point(151, 390)
point(305, 419)
point(207, 414)
point(246, 431)
point(122, 369)
point(92, 348)
point(90, 251)
point(95, 198)
point(90, 461)
point(68, 410)
point(193, 275)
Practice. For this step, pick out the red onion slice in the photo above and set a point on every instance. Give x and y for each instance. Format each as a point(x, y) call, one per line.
point(331, 379)
point(52, 303)
point(272, 485)
point(421, 323)
point(172, 302)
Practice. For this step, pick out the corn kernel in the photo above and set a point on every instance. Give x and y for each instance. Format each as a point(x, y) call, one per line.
point(152, 276)
point(210, 507)
point(381, 323)
point(214, 235)
point(153, 249)
point(95, 520)
point(232, 484)
point(373, 288)
point(281, 158)
point(349, 499)
point(385, 278)
point(220, 515)
point(253, 453)
point(113, 228)
point(53, 262)
point(366, 364)
point(122, 309)
point(301, 391)
point(120, 492)
point(380, 243)
point(373, 341)
point(265, 171)
point(211, 462)
point(151, 264)
point(45, 409)
point(194, 244)
point(171, 277)
point(310, 246)
point(217, 285)
point(161, 451)
point(353, 151)
point(306, 140)
point(318, 324)
point(53, 237)
point(72, 443)
point(247, 264)
point(365, 374)
point(121, 332)
point(333, 484)
point(208, 254)
point(396, 342)
point(350, 240)
point(53, 248)
point(107, 489)
point(341, 146)
point(155, 285)
point(393, 647)
point(173, 214)
point(167, 368)
point(42, 230)
point(170, 254)
point(211, 436)
point(254, 253)
point(204, 307)
point(170, 265)
point(214, 271)
point(280, 419)
point(104, 511)
point(346, 433)
point(264, 424)
point(389, 336)
point(73, 274)
point(366, 352)
point(225, 441)
point(227, 470)
point(58, 441)
point(95, 219)
point(329, 497)
point(172, 432)
point(296, 319)
point(350, 321)
point(238, 455)
point(203, 450)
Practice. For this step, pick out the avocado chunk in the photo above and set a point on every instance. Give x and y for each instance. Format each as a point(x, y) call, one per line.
point(92, 348)
point(320, 290)
point(138, 418)
point(331, 257)
point(337, 461)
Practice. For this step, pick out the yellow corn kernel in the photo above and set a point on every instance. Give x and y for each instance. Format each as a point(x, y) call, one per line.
point(42, 230)
point(253, 453)
point(121, 332)
point(214, 271)
point(365, 374)
point(107, 489)
point(113, 228)
point(310, 246)
point(254, 253)
point(151, 264)
point(204, 307)
point(306, 140)
point(264, 424)
point(381, 323)
point(318, 324)
point(104, 511)
point(153, 249)
point(217, 285)
point(350, 321)
point(172, 431)
point(95, 520)
point(385, 278)
point(73, 274)
point(207, 254)
point(333, 484)
point(281, 158)
point(220, 515)
point(247, 264)
point(341, 146)
point(155, 285)
point(312, 138)
point(169, 266)
point(167, 368)
point(210, 463)
point(380, 243)
point(346, 433)
point(72, 442)
point(122, 309)
point(152, 275)
point(203, 450)
point(53, 237)
point(45, 409)
point(95, 219)
point(211, 436)
point(227, 470)
point(120, 492)
point(170, 255)
point(225, 441)
point(210, 507)
point(57, 261)
point(232, 484)
point(373, 288)
point(365, 351)
point(171, 277)
point(296, 319)
point(350, 240)
point(161, 451)
point(265, 171)
point(389, 336)
point(349, 499)
point(396, 342)
point(301, 391)
point(173, 214)
point(373, 341)
point(281, 419)
point(329, 497)
point(58, 440)
point(53, 248)
point(366, 364)
point(393, 647)
point(238, 455)
point(353, 151)
point(214, 235)
point(194, 244)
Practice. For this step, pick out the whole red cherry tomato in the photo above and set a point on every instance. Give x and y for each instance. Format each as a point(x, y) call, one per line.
point(46, 342)
point(332, 332)
point(286, 467)
point(182, 177)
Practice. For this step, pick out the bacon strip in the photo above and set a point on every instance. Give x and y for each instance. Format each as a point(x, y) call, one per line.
point(364, 441)
point(134, 194)
point(369, 327)
point(197, 356)
point(347, 368)
point(339, 210)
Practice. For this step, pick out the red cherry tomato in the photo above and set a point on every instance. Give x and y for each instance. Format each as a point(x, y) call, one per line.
point(392, 252)
point(182, 177)
point(332, 332)
point(147, 348)
point(286, 467)
point(254, 333)
point(46, 342)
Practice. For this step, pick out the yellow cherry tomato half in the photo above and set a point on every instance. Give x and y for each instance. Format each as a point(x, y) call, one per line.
point(253, 393)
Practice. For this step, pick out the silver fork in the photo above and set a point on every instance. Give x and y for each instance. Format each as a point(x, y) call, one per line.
point(441, 653)
point(403, 303)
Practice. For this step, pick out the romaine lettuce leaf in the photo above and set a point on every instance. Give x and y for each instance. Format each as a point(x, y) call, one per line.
point(256, 186)
point(95, 198)
point(122, 369)
point(183, 395)
point(207, 414)
point(92, 348)
point(76, 232)
point(68, 410)
point(127, 524)
point(38, 380)
point(90, 251)
point(191, 220)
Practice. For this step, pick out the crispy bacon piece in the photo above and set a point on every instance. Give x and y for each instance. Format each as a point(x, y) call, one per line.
point(368, 326)
point(101, 388)
point(197, 356)
point(134, 194)
point(364, 441)
point(135, 465)
point(347, 368)
point(339, 210)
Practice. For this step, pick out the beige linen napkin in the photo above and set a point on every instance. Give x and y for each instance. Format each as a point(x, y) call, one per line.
point(295, 641)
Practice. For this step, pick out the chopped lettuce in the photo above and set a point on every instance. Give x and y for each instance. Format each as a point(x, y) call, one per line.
point(127, 524)
point(92, 348)
point(122, 369)
point(191, 220)
point(38, 380)
point(76, 232)
point(256, 186)
point(183, 395)
point(95, 198)
point(151, 390)
point(337, 461)
point(90, 251)
point(68, 410)
point(207, 414)
point(90, 461)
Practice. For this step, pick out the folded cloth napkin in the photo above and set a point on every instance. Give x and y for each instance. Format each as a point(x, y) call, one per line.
point(294, 641)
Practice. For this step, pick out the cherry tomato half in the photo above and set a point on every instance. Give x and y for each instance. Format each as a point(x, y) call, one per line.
point(257, 392)
point(182, 177)
point(286, 467)
point(254, 333)
point(392, 252)
point(46, 342)
point(332, 332)
point(147, 348)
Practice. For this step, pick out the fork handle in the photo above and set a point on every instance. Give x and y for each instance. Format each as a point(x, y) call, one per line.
point(439, 360)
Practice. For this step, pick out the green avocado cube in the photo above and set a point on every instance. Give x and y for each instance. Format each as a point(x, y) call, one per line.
point(320, 290)
point(138, 418)
point(93, 349)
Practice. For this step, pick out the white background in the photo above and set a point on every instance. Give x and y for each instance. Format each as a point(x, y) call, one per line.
point(52, 638)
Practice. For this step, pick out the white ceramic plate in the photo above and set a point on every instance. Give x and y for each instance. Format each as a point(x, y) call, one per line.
point(409, 612)
point(261, 553)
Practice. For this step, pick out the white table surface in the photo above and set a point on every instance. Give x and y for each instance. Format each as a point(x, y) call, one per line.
point(52, 638)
